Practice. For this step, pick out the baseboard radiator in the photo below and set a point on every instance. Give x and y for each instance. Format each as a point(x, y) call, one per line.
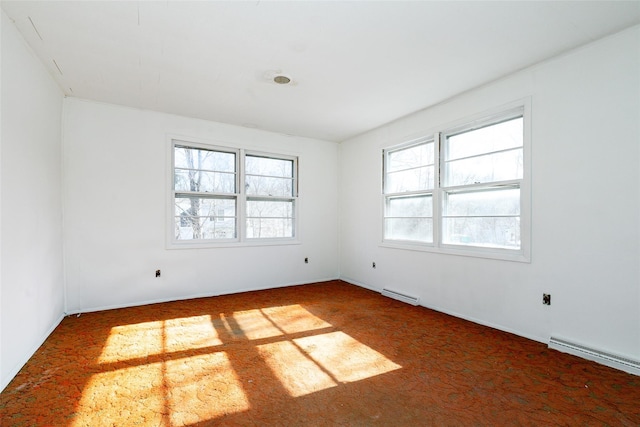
point(624, 364)
point(400, 297)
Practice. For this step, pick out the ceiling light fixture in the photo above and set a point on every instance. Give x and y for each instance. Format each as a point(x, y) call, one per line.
point(282, 80)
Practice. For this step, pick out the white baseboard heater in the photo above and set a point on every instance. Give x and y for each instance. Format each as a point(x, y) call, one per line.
point(624, 364)
point(400, 297)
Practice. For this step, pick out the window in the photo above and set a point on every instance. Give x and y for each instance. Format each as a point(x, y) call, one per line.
point(270, 185)
point(463, 191)
point(205, 184)
point(231, 195)
point(409, 184)
point(483, 170)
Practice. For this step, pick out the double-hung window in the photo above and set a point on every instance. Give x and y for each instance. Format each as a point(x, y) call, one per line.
point(270, 189)
point(482, 176)
point(228, 195)
point(205, 193)
point(465, 191)
point(409, 185)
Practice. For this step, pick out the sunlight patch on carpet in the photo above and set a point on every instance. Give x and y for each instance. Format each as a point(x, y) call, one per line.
point(132, 341)
point(202, 388)
point(298, 374)
point(345, 358)
point(183, 391)
point(273, 322)
point(139, 340)
point(190, 333)
point(128, 396)
point(254, 325)
point(294, 318)
point(310, 364)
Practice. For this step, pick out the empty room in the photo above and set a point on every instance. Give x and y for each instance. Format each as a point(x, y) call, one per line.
point(320, 213)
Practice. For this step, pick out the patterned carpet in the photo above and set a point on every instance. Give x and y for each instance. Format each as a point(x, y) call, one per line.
point(316, 355)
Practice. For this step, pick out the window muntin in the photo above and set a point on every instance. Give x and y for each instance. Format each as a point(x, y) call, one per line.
point(217, 201)
point(476, 202)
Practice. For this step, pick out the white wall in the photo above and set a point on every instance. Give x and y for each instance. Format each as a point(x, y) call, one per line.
point(31, 217)
point(115, 201)
point(586, 206)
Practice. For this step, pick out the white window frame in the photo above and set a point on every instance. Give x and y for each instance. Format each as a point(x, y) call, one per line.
point(423, 192)
point(246, 198)
point(240, 196)
point(523, 254)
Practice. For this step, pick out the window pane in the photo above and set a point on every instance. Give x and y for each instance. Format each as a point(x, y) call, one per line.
point(269, 167)
point(195, 206)
point(263, 186)
point(411, 157)
point(489, 168)
point(414, 206)
point(410, 229)
point(194, 158)
point(193, 228)
point(494, 232)
point(269, 219)
point(500, 136)
point(205, 182)
point(198, 218)
point(492, 202)
point(264, 228)
point(410, 180)
point(269, 209)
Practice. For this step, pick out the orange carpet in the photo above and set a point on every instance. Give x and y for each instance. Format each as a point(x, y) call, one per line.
point(316, 355)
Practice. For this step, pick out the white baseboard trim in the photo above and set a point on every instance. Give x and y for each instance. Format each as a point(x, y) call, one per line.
point(502, 328)
point(616, 361)
point(194, 296)
point(458, 315)
point(360, 284)
point(25, 358)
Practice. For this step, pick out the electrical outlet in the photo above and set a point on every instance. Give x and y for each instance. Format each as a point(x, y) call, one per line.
point(546, 299)
point(158, 273)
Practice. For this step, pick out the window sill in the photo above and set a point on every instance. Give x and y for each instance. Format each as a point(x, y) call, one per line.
point(232, 244)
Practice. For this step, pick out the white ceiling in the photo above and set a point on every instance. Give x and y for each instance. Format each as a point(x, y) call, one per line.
point(354, 65)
